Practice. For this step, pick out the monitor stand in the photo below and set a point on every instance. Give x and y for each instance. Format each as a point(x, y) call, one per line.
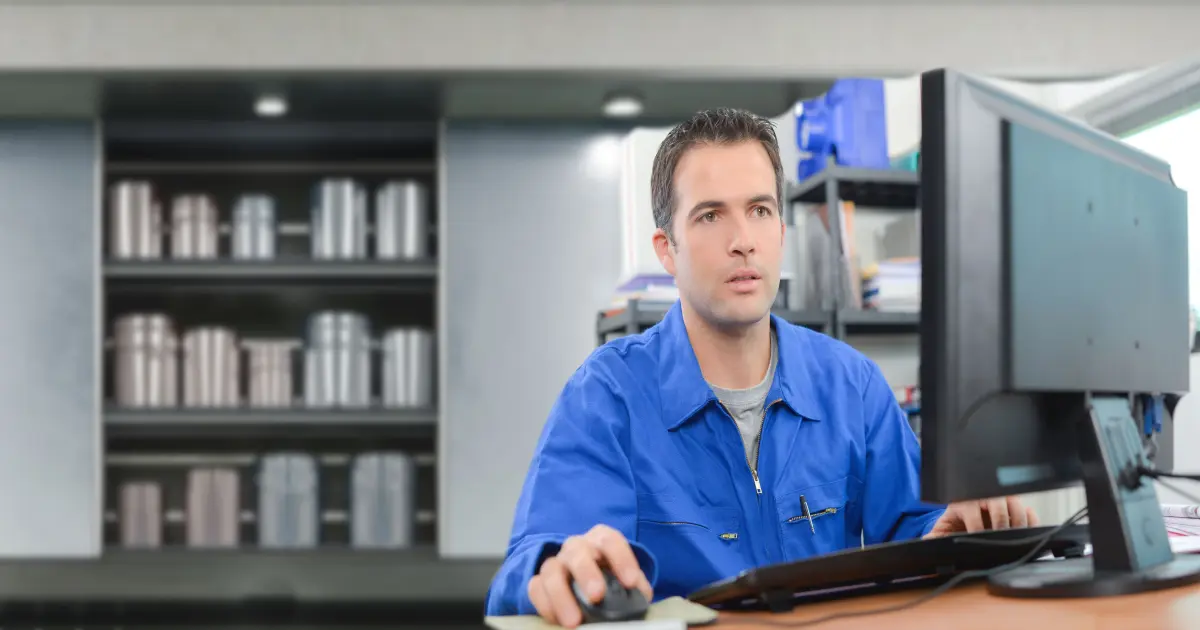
point(1130, 549)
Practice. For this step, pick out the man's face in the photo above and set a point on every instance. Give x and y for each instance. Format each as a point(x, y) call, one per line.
point(728, 234)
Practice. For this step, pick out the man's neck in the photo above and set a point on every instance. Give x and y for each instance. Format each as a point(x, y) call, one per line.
point(730, 359)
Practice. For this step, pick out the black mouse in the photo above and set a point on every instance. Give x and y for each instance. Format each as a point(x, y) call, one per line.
point(618, 604)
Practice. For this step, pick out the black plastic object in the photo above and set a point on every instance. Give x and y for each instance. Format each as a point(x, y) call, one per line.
point(1024, 303)
point(884, 566)
point(1132, 552)
point(618, 604)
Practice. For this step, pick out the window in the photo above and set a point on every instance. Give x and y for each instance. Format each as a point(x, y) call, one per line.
point(1178, 142)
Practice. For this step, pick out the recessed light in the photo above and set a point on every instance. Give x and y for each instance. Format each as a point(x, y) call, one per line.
point(622, 106)
point(270, 106)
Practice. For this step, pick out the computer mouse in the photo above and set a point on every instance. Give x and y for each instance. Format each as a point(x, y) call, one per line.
point(618, 604)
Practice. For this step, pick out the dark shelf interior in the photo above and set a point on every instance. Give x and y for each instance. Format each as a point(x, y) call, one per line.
point(270, 299)
point(868, 188)
point(865, 322)
point(260, 430)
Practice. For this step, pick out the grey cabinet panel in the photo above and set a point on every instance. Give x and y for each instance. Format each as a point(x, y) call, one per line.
point(531, 250)
point(50, 449)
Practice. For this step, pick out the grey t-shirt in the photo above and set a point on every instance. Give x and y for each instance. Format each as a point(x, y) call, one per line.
point(746, 405)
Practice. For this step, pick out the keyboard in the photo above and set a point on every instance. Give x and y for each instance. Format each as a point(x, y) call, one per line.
point(885, 566)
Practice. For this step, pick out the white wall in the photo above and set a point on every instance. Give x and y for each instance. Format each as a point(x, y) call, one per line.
point(1175, 142)
point(792, 40)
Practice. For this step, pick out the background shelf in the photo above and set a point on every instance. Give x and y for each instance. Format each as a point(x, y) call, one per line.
point(179, 275)
point(861, 322)
point(235, 429)
point(869, 188)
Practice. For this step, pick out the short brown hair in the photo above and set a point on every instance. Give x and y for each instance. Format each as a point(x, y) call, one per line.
point(713, 126)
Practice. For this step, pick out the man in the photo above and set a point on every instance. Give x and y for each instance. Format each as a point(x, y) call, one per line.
point(723, 438)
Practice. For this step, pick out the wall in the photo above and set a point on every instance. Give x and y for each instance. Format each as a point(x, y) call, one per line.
point(531, 249)
point(791, 39)
point(1174, 141)
point(50, 454)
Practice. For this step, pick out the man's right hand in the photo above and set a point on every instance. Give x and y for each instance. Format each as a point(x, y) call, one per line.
point(580, 559)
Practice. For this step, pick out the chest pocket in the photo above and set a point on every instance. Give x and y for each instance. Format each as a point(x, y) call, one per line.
point(830, 528)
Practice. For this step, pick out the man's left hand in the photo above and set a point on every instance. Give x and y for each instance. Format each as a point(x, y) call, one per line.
point(976, 516)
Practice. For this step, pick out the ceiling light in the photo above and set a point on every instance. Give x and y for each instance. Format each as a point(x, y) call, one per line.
point(270, 106)
point(622, 106)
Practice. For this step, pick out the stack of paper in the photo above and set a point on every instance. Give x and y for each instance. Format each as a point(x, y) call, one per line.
point(1182, 520)
point(893, 285)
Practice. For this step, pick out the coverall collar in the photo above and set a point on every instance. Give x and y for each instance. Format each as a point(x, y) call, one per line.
point(684, 392)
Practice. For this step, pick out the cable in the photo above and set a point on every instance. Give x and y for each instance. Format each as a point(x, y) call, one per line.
point(1158, 474)
point(912, 603)
point(1174, 488)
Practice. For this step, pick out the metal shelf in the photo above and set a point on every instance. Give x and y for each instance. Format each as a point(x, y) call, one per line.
point(868, 188)
point(205, 578)
point(638, 316)
point(268, 167)
point(175, 275)
point(233, 429)
point(183, 270)
point(862, 322)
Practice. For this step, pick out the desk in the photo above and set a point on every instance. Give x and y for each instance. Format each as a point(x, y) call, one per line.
point(970, 606)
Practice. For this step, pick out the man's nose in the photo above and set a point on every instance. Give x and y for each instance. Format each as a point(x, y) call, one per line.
point(742, 241)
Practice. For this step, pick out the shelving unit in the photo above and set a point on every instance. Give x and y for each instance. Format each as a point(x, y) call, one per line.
point(266, 299)
point(876, 189)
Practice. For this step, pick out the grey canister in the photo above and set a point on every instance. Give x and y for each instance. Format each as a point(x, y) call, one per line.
point(408, 367)
point(337, 362)
point(146, 358)
point(383, 497)
point(254, 227)
point(402, 220)
point(194, 229)
point(213, 507)
point(269, 366)
point(134, 221)
point(210, 367)
point(339, 220)
point(287, 501)
point(141, 514)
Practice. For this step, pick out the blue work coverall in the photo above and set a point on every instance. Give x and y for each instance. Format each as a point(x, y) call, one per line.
point(638, 441)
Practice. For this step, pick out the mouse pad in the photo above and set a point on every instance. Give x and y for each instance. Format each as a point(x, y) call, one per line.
point(671, 608)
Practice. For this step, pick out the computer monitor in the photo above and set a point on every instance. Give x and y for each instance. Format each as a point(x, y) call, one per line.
point(1054, 295)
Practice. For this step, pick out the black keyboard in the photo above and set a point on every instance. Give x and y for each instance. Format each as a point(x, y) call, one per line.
point(885, 566)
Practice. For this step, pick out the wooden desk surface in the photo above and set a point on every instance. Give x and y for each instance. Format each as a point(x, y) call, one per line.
point(970, 606)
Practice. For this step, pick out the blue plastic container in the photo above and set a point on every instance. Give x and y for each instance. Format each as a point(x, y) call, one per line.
point(849, 123)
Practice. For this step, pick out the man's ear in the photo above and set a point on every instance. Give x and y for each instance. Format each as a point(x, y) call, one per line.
point(664, 251)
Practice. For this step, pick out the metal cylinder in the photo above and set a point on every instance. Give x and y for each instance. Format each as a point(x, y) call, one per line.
point(338, 360)
point(269, 366)
point(135, 221)
point(254, 228)
point(408, 367)
point(383, 495)
point(210, 367)
point(339, 219)
point(213, 508)
point(402, 221)
point(146, 360)
point(288, 501)
point(194, 229)
point(141, 514)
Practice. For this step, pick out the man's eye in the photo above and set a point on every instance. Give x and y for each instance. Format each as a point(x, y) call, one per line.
point(763, 211)
point(709, 217)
